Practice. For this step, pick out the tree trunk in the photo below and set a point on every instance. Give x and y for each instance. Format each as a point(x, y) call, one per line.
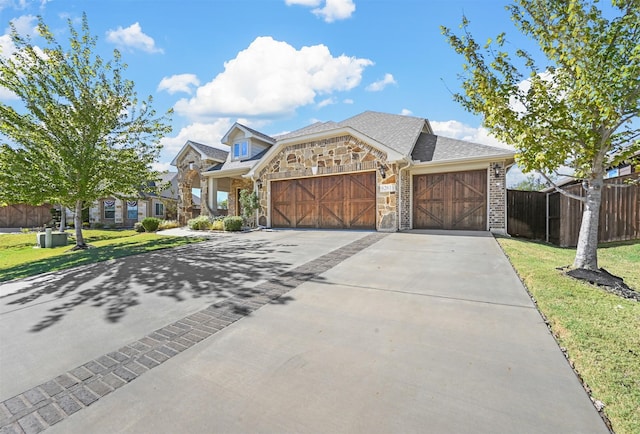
point(77, 223)
point(587, 250)
point(63, 218)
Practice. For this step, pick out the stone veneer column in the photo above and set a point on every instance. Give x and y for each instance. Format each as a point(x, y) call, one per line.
point(497, 199)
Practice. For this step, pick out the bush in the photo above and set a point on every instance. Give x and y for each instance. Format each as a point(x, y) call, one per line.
point(217, 225)
point(168, 224)
point(201, 223)
point(150, 224)
point(138, 227)
point(97, 225)
point(232, 223)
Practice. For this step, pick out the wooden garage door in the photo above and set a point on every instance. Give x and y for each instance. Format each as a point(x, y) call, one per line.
point(332, 202)
point(455, 200)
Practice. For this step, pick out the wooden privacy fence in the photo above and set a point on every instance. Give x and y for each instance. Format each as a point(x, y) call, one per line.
point(526, 211)
point(24, 216)
point(619, 213)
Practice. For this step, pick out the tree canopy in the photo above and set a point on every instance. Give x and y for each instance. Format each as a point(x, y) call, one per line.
point(580, 108)
point(79, 132)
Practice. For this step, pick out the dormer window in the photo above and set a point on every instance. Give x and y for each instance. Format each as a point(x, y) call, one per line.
point(240, 150)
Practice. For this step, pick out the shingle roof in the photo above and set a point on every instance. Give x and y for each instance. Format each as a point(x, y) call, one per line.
point(398, 132)
point(430, 147)
point(310, 129)
point(209, 151)
point(263, 136)
point(237, 164)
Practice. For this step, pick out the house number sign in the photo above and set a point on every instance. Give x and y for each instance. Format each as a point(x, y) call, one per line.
point(387, 188)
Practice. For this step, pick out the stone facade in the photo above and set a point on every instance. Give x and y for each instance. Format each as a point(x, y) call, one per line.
point(189, 168)
point(234, 195)
point(333, 156)
point(497, 198)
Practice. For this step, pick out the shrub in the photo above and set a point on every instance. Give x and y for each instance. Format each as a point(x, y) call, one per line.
point(232, 223)
point(168, 224)
point(138, 227)
point(201, 223)
point(97, 225)
point(217, 225)
point(150, 224)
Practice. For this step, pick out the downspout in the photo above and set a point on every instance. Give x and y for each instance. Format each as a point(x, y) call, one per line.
point(400, 178)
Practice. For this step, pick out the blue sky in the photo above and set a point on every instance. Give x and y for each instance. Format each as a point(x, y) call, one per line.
point(279, 65)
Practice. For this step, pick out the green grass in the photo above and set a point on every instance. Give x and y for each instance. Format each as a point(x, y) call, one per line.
point(19, 258)
point(600, 331)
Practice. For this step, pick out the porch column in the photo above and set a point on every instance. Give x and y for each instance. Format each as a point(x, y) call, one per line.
point(213, 195)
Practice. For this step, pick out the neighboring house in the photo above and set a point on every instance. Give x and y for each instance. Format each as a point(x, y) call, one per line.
point(372, 171)
point(111, 211)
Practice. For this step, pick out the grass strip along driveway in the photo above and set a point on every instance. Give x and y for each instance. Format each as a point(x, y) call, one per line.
point(19, 258)
point(599, 330)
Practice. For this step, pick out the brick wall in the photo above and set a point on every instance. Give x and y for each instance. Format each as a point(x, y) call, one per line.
point(497, 198)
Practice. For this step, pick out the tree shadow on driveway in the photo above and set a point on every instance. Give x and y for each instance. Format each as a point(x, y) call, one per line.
point(217, 270)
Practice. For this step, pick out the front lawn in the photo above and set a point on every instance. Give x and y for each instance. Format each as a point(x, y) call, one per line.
point(600, 331)
point(19, 258)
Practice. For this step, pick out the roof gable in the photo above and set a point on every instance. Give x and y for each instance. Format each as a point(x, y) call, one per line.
point(398, 132)
point(206, 152)
point(248, 132)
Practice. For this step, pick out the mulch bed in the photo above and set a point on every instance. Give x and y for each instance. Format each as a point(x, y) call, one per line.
point(606, 281)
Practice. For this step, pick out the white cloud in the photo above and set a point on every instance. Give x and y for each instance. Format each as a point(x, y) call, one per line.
point(133, 38)
point(458, 130)
point(178, 83)
point(335, 10)
point(25, 25)
point(326, 102)
point(205, 133)
point(7, 47)
point(163, 167)
point(348, 101)
point(379, 85)
point(406, 112)
point(331, 11)
point(271, 78)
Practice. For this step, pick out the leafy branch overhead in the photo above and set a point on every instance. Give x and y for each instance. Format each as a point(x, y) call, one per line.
point(576, 109)
point(79, 132)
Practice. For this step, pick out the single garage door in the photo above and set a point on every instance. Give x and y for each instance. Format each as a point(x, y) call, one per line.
point(456, 200)
point(331, 202)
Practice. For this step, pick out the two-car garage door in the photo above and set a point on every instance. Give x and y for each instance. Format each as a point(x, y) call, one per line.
point(332, 202)
point(456, 200)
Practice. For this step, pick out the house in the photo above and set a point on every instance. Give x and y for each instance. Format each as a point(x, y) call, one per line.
point(371, 171)
point(112, 211)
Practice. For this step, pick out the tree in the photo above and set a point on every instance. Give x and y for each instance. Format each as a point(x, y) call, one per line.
point(578, 109)
point(81, 133)
point(531, 183)
point(249, 203)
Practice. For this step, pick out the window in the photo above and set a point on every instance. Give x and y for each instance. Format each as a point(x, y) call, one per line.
point(132, 210)
point(109, 209)
point(159, 208)
point(240, 150)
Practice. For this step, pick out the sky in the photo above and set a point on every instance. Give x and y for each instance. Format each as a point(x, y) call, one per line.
point(280, 65)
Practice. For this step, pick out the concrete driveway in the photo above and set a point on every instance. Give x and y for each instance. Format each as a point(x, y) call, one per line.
point(288, 331)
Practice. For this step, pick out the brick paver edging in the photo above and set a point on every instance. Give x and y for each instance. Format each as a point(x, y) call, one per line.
point(47, 404)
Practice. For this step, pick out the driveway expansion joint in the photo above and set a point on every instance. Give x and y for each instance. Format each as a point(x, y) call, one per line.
point(38, 408)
